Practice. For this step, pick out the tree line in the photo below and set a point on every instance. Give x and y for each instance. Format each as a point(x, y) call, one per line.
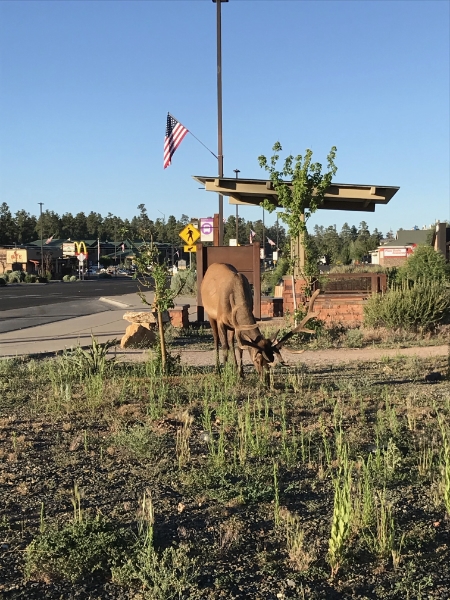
point(23, 228)
point(350, 243)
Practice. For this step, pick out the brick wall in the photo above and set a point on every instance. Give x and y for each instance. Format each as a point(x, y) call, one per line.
point(347, 309)
point(179, 315)
point(271, 307)
point(392, 261)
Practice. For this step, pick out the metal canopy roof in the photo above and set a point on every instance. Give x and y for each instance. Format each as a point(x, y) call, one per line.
point(340, 196)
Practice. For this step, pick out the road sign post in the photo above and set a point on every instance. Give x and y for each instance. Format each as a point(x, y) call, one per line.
point(189, 234)
point(207, 229)
point(81, 258)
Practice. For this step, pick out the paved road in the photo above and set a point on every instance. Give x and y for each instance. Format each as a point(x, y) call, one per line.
point(29, 305)
point(32, 295)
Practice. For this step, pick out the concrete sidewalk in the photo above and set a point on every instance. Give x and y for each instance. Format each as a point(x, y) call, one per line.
point(57, 336)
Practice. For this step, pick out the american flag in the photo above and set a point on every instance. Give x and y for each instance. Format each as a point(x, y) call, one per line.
point(271, 242)
point(175, 133)
point(252, 235)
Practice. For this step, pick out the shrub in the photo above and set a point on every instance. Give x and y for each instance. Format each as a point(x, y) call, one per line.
point(77, 550)
point(420, 307)
point(424, 264)
point(66, 278)
point(16, 276)
point(358, 269)
point(184, 282)
point(42, 280)
point(2, 280)
point(272, 278)
point(73, 278)
point(30, 278)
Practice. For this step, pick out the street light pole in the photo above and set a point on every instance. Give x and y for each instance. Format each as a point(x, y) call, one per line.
point(219, 111)
point(237, 212)
point(42, 239)
point(115, 247)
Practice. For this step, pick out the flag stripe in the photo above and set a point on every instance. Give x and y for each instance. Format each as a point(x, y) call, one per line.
point(175, 133)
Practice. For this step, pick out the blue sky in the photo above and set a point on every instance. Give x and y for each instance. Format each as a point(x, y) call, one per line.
point(85, 88)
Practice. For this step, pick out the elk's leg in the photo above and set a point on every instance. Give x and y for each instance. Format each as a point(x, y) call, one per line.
point(230, 340)
point(240, 365)
point(215, 331)
point(223, 341)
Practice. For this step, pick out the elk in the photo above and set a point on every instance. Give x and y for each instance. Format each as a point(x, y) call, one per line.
point(228, 300)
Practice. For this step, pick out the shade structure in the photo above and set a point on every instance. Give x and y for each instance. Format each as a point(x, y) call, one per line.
point(339, 196)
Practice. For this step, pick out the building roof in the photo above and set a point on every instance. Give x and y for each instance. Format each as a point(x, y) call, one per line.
point(414, 236)
point(339, 196)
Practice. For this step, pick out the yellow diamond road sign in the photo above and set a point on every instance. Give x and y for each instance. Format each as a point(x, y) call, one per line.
point(190, 248)
point(189, 235)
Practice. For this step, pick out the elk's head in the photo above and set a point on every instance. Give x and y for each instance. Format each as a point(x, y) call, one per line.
point(265, 352)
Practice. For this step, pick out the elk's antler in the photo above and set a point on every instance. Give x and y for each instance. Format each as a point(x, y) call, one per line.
point(301, 326)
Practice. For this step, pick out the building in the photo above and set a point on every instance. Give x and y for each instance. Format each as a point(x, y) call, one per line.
point(393, 253)
point(29, 258)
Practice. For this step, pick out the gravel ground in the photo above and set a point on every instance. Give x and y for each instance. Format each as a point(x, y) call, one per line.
point(100, 443)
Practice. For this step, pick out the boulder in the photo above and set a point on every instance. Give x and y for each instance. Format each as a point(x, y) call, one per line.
point(145, 317)
point(138, 334)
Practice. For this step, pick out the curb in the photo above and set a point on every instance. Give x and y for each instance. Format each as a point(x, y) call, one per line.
point(115, 302)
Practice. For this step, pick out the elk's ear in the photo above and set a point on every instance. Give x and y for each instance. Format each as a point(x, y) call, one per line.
point(250, 343)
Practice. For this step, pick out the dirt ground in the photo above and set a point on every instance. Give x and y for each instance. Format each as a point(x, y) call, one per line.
point(199, 358)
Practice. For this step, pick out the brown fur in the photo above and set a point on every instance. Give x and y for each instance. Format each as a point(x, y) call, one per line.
point(228, 301)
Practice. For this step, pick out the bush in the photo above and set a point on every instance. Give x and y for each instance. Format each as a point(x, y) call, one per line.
point(184, 282)
point(42, 279)
point(73, 278)
point(420, 307)
point(77, 550)
point(424, 264)
point(369, 268)
point(272, 278)
point(16, 276)
point(2, 280)
point(30, 278)
point(66, 278)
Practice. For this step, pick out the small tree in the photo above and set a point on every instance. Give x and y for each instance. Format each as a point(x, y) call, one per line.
point(299, 197)
point(153, 276)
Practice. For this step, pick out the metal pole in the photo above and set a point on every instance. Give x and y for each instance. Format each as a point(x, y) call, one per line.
point(277, 232)
point(42, 241)
point(115, 248)
point(237, 212)
point(264, 245)
point(219, 111)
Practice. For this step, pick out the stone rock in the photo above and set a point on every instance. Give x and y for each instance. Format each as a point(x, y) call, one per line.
point(145, 317)
point(138, 334)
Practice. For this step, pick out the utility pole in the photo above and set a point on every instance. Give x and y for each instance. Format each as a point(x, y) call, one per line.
point(237, 212)
point(219, 111)
point(42, 239)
